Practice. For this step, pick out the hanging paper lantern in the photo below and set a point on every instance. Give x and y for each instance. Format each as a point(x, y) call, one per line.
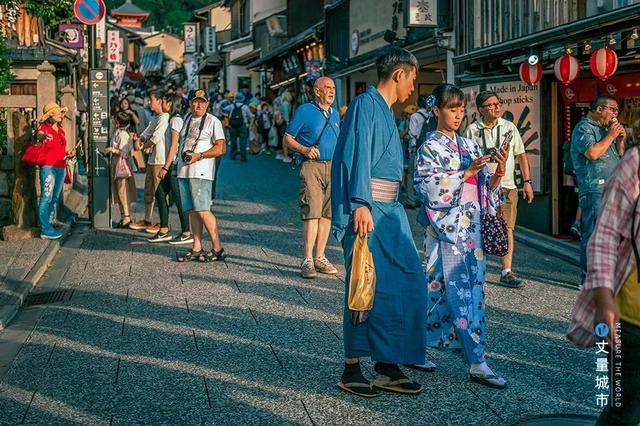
point(566, 68)
point(604, 62)
point(530, 74)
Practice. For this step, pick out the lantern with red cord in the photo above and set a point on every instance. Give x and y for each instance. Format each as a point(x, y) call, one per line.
point(530, 74)
point(603, 62)
point(566, 68)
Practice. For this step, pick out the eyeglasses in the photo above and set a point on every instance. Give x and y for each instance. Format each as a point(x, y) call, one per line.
point(494, 105)
point(613, 109)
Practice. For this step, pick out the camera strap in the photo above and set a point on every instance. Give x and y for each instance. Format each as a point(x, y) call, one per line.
point(188, 127)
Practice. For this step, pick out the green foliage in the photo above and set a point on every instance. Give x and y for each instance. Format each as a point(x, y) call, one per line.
point(6, 77)
point(164, 14)
point(52, 12)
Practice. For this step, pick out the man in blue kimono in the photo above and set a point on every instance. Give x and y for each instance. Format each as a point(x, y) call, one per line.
point(366, 176)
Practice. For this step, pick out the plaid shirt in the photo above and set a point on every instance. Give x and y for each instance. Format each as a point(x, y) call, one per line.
point(609, 253)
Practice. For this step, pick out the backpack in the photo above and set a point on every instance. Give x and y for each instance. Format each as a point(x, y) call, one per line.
point(236, 118)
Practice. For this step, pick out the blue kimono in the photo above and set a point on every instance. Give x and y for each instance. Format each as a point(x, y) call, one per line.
point(454, 263)
point(369, 147)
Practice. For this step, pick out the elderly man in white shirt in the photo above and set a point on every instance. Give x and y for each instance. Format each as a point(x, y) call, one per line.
point(202, 142)
point(489, 131)
point(152, 142)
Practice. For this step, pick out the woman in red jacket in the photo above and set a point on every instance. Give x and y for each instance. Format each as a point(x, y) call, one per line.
point(53, 167)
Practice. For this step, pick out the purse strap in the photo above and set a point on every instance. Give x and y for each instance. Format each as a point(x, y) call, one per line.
point(634, 230)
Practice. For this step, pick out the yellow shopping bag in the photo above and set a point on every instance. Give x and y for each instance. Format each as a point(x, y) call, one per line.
point(362, 282)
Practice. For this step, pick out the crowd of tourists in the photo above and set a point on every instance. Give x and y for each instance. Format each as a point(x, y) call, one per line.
point(353, 170)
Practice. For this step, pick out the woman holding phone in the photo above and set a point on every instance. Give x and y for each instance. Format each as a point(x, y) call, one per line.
point(456, 188)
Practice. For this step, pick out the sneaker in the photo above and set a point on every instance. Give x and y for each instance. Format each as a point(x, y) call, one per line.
point(54, 234)
point(307, 269)
point(279, 156)
point(287, 160)
point(182, 239)
point(153, 229)
point(323, 266)
point(160, 237)
point(510, 280)
point(139, 225)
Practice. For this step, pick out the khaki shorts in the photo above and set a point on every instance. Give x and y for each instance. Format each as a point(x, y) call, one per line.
point(510, 207)
point(315, 190)
point(151, 182)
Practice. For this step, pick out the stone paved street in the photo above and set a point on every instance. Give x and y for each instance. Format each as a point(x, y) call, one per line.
point(139, 338)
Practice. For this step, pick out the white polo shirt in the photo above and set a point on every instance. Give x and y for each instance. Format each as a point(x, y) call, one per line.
point(212, 131)
point(477, 128)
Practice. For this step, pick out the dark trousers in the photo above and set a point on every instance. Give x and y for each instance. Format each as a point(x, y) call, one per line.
point(629, 411)
point(590, 205)
point(169, 185)
point(265, 138)
point(239, 136)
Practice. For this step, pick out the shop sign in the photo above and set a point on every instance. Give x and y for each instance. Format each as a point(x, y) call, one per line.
point(190, 38)
point(521, 105)
point(74, 36)
point(471, 114)
point(421, 13)
point(114, 47)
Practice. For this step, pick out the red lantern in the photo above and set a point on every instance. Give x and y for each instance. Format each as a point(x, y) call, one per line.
point(566, 68)
point(604, 62)
point(530, 74)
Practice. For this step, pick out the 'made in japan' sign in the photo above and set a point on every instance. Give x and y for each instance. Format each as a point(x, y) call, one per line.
point(521, 105)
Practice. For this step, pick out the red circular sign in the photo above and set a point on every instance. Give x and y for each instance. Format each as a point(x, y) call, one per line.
point(89, 12)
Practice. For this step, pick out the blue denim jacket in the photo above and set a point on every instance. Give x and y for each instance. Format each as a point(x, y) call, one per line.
point(592, 175)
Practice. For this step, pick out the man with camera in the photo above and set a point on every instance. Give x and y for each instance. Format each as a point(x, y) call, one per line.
point(597, 144)
point(202, 140)
point(490, 131)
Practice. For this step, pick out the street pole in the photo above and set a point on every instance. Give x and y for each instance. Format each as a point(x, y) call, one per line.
point(91, 36)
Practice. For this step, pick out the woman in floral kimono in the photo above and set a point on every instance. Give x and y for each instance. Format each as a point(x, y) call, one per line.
point(456, 187)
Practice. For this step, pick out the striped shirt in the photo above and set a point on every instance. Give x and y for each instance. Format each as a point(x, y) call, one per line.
point(609, 253)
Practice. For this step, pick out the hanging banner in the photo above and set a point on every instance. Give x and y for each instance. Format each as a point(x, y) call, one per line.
point(114, 54)
point(101, 33)
point(521, 105)
point(190, 38)
point(117, 76)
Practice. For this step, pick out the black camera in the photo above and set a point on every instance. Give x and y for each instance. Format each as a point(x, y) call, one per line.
point(186, 156)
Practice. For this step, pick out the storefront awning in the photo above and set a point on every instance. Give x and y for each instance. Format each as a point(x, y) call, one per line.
point(367, 60)
point(210, 64)
point(151, 60)
point(604, 23)
point(293, 42)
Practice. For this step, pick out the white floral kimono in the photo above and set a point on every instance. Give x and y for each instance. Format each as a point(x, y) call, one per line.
point(454, 261)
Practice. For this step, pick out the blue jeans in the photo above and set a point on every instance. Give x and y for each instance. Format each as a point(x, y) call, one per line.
point(239, 136)
point(51, 183)
point(590, 205)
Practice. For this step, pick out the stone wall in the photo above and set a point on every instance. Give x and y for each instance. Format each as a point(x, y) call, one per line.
point(6, 183)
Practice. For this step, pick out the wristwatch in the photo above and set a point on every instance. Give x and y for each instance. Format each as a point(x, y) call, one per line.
point(200, 157)
point(527, 181)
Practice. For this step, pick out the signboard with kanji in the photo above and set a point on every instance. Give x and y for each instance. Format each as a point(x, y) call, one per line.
point(114, 48)
point(421, 13)
point(99, 171)
point(190, 38)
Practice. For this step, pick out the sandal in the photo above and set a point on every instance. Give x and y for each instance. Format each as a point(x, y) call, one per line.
point(124, 225)
point(189, 256)
point(428, 366)
point(364, 390)
point(490, 380)
point(391, 379)
point(212, 256)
